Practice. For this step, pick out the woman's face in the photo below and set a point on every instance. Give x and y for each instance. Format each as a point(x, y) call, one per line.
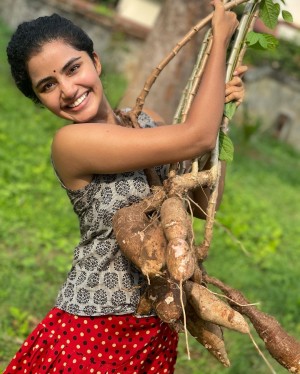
point(67, 82)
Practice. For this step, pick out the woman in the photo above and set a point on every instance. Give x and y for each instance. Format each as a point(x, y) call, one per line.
point(93, 327)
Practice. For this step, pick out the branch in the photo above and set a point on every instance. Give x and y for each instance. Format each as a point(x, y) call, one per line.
point(236, 56)
point(155, 73)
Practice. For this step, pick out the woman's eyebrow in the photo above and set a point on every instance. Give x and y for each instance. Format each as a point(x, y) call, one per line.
point(69, 63)
point(63, 69)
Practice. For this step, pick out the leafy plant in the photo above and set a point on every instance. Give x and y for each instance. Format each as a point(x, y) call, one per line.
point(265, 49)
point(284, 58)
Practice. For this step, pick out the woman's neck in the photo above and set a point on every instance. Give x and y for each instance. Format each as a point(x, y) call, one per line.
point(106, 113)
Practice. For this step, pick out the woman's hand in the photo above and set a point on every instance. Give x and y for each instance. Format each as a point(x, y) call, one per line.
point(235, 90)
point(224, 23)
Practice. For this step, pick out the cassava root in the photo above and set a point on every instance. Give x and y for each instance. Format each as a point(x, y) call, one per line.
point(158, 247)
point(209, 334)
point(283, 347)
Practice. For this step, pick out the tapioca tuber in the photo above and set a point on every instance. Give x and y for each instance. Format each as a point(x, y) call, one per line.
point(180, 259)
point(163, 249)
point(153, 251)
point(140, 239)
point(129, 227)
point(210, 308)
point(165, 297)
point(283, 347)
point(208, 334)
point(145, 305)
point(174, 218)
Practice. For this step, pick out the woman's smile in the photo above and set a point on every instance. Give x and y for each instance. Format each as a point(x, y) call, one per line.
point(78, 101)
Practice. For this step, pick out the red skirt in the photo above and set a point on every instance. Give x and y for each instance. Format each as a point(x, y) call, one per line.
point(64, 343)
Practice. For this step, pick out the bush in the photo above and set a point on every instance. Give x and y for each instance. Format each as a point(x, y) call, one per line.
point(285, 58)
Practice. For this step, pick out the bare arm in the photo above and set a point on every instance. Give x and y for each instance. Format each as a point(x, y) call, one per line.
point(235, 91)
point(82, 150)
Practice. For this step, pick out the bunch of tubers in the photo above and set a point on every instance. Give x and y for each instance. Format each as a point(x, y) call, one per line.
point(158, 240)
point(156, 235)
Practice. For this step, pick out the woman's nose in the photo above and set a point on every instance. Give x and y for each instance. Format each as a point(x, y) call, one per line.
point(68, 90)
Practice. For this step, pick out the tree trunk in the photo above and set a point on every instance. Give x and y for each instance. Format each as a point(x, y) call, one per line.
point(176, 18)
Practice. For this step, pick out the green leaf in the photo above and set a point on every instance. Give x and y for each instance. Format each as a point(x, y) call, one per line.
point(229, 109)
point(287, 16)
point(226, 148)
point(261, 41)
point(271, 41)
point(269, 13)
point(252, 38)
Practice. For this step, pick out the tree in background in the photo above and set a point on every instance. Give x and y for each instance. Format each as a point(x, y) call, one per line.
point(174, 21)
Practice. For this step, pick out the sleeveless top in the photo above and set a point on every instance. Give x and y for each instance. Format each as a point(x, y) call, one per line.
point(101, 280)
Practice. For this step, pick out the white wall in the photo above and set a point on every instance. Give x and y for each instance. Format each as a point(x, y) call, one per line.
point(284, 31)
point(293, 6)
point(268, 95)
point(144, 12)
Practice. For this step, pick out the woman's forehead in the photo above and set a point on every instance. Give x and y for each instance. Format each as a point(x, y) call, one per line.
point(52, 56)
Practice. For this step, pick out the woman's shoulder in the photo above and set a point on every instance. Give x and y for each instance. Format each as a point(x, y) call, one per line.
point(63, 134)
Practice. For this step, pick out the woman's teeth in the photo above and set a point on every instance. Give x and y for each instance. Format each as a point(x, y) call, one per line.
point(78, 101)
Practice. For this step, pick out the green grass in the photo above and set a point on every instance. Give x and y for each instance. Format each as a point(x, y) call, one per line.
point(38, 230)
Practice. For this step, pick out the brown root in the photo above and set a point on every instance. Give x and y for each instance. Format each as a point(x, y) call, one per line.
point(145, 306)
point(129, 227)
point(165, 297)
point(133, 231)
point(210, 308)
point(153, 252)
point(181, 184)
point(283, 347)
point(174, 219)
point(180, 260)
point(197, 276)
point(208, 334)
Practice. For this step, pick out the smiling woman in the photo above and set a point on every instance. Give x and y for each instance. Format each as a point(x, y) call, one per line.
point(101, 166)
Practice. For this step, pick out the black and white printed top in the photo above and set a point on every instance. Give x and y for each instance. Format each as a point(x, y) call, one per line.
point(101, 280)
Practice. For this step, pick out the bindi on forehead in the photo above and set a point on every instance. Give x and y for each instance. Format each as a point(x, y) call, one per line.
point(54, 71)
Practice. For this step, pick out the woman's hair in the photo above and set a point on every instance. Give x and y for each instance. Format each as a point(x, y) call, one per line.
point(29, 39)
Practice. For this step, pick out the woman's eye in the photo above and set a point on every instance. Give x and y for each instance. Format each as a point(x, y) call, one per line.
point(74, 68)
point(47, 87)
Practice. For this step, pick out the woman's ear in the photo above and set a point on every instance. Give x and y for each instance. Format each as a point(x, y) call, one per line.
point(97, 63)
